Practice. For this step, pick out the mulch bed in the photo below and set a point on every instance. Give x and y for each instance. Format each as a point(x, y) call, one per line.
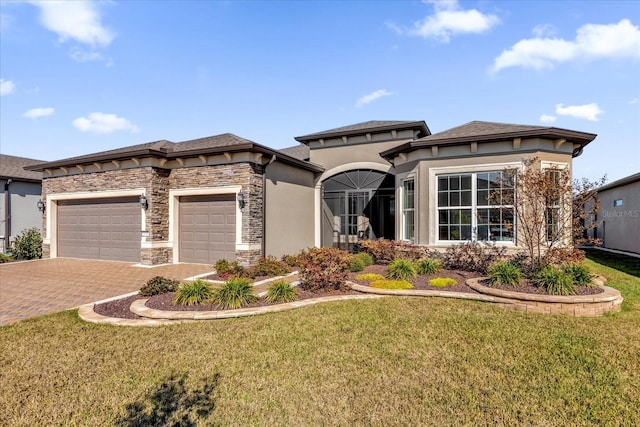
point(224, 278)
point(422, 282)
point(118, 308)
point(528, 288)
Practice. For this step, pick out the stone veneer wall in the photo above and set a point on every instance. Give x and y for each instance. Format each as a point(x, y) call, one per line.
point(157, 183)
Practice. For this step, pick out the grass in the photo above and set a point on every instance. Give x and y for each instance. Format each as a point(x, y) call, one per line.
point(389, 361)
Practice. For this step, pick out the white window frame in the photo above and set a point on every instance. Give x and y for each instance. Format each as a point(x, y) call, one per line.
point(544, 165)
point(404, 209)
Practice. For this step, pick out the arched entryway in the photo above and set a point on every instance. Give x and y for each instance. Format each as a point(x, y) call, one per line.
point(357, 205)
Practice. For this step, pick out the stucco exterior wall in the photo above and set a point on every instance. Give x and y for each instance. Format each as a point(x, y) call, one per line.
point(23, 213)
point(619, 226)
point(332, 157)
point(290, 209)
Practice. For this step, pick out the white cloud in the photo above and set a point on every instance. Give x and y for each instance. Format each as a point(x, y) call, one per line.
point(586, 111)
point(372, 97)
point(634, 101)
point(103, 123)
point(6, 87)
point(593, 41)
point(36, 113)
point(449, 19)
point(76, 20)
point(544, 30)
point(85, 56)
point(546, 118)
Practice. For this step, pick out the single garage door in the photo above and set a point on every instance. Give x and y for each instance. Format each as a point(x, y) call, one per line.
point(207, 228)
point(107, 229)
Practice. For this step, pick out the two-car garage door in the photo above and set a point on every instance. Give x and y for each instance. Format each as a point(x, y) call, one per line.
point(107, 229)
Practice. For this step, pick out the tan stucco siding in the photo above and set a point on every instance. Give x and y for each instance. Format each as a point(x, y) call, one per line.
point(336, 156)
point(619, 226)
point(290, 209)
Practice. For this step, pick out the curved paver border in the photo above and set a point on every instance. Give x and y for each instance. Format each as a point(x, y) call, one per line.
point(87, 314)
point(138, 307)
point(428, 293)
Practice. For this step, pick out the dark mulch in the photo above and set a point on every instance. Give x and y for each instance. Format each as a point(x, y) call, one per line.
point(118, 308)
point(529, 288)
point(255, 279)
point(422, 282)
point(165, 301)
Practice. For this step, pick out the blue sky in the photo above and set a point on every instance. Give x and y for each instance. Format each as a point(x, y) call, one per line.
point(80, 77)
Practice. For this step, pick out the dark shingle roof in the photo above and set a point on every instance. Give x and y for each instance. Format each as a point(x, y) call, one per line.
point(300, 151)
point(12, 167)
point(364, 127)
point(168, 149)
point(619, 183)
point(478, 131)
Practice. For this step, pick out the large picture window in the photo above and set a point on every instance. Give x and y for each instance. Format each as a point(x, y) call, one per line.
point(408, 210)
point(475, 206)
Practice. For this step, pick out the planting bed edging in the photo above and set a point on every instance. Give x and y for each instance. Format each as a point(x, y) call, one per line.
point(87, 314)
point(428, 293)
point(574, 305)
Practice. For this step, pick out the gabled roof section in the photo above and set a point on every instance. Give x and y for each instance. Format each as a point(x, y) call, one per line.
point(300, 151)
point(619, 183)
point(12, 167)
point(367, 127)
point(216, 144)
point(478, 131)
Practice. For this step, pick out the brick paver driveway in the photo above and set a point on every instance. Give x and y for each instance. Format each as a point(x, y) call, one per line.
point(33, 288)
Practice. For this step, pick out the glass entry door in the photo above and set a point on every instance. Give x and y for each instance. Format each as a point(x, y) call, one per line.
point(358, 221)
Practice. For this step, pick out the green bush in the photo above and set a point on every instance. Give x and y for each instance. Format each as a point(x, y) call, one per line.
point(5, 258)
point(369, 277)
point(505, 273)
point(225, 268)
point(579, 273)
point(355, 264)
point(281, 291)
point(401, 269)
point(235, 293)
point(428, 266)
point(28, 245)
point(159, 285)
point(365, 257)
point(270, 267)
point(192, 293)
point(555, 281)
point(324, 268)
point(442, 282)
point(391, 284)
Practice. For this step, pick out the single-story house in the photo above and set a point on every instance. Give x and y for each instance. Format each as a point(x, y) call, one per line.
point(227, 197)
point(21, 191)
point(618, 217)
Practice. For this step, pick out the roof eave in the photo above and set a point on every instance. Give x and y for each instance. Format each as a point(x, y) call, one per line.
point(21, 179)
point(305, 139)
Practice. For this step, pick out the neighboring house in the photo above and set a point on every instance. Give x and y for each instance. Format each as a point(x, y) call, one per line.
point(21, 191)
point(228, 197)
point(618, 218)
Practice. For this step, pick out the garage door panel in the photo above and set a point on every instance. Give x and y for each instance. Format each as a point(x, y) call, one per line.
point(207, 228)
point(107, 229)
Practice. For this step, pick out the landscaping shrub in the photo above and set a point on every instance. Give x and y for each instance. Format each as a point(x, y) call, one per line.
point(28, 245)
point(269, 267)
point(365, 257)
point(579, 273)
point(391, 284)
point(281, 291)
point(412, 252)
point(442, 282)
point(472, 256)
point(369, 277)
point(401, 269)
point(557, 256)
point(382, 251)
point(428, 266)
point(324, 268)
point(225, 269)
point(291, 260)
point(355, 264)
point(505, 273)
point(159, 285)
point(5, 258)
point(235, 293)
point(555, 281)
point(192, 293)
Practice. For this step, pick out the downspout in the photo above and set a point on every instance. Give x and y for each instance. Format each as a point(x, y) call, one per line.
point(7, 216)
point(264, 205)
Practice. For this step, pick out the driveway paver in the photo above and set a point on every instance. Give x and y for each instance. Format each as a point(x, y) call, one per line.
point(33, 288)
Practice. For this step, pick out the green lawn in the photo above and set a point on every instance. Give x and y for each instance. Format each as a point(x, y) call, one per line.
point(392, 361)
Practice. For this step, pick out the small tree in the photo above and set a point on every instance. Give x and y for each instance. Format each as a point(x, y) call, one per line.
point(28, 245)
point(544, 208)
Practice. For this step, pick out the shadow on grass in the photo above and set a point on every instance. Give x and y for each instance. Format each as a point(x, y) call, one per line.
point(172, 404)
point(624, 263)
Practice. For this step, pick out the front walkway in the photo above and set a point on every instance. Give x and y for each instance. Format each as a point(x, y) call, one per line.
point(33, 288)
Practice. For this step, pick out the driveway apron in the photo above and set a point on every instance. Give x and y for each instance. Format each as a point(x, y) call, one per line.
point(33, 288)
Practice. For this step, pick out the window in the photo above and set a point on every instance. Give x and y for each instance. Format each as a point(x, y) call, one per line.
point(408, 210)
point(475, 206)
point(552, 210)
point(617, 203)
